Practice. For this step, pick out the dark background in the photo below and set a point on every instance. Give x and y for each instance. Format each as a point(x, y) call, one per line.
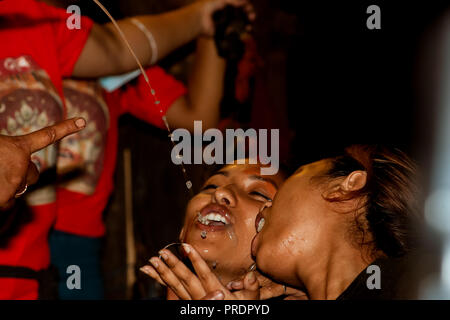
point(326, 81)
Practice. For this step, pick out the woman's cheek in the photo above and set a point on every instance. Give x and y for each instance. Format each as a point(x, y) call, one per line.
point(263, 246)
point(272, 259)
point(264, 258)
point(243, 250)
point(268, 242)
point(195, 205)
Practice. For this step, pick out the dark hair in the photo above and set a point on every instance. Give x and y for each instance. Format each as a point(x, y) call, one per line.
point(391, 195)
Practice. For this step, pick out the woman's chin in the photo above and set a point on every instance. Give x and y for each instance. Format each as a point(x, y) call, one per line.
point(206, 248)
point(205, 238)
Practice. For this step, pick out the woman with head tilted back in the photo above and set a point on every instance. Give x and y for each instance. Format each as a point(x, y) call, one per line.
point(329, 222)
point(220, 224)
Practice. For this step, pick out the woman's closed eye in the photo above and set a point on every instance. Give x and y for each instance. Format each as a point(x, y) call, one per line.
point(209, 187)
point(260, 195)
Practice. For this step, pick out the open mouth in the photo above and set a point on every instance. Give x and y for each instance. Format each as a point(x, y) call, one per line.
point(214, 217)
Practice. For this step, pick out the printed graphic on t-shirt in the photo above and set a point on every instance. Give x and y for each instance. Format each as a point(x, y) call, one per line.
point(29, 102)
point(81, 155)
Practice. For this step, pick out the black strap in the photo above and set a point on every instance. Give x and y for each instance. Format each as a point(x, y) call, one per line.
point(47, 279)
point(18, 272)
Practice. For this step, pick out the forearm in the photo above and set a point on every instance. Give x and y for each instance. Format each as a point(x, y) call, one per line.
point(172, 29)
point(105, 53)
point(205, 88)
point(206, 82)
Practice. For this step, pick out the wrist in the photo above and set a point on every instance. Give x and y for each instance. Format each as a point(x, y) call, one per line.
point(203, 11)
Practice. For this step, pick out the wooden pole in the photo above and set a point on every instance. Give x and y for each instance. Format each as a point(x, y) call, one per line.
point(129, 225)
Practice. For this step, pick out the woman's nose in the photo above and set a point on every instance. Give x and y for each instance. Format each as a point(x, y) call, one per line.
point(225, 196)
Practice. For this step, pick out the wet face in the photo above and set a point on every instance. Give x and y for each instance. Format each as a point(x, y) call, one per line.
point(220, 220)
point(298, 226)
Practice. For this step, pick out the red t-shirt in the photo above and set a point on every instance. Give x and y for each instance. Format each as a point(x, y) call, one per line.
point(81, 202)
point(37, 50)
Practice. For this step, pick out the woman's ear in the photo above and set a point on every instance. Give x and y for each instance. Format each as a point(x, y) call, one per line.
point(354, 181)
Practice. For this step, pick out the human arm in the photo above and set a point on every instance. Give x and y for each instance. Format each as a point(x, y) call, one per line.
point(105, 53)
point(205, 90)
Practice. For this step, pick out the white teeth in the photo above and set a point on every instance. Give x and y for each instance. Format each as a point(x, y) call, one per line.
point(210, 218)
point(260, 224)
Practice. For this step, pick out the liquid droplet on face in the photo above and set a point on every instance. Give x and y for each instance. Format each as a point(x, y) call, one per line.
point(232, 235)
point(214, 264)
point(203, 234)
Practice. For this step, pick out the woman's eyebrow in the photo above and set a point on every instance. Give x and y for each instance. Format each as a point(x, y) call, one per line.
point(272, 182)
point(220, 173)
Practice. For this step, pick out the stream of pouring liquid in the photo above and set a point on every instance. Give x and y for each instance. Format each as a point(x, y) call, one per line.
point(152, 91)
point(230, 231)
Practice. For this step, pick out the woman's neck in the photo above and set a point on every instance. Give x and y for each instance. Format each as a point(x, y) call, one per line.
point(337, 269)
point(226, 273)
point(226, 277)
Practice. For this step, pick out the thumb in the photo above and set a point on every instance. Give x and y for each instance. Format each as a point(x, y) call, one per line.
point(251, 288)
point(251, 282)
point(215, 295)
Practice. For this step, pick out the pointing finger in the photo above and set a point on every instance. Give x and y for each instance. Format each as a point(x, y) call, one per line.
point(42, 138)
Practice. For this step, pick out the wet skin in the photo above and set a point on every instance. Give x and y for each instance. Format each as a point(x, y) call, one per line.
point(310, 234)
point(236, 193)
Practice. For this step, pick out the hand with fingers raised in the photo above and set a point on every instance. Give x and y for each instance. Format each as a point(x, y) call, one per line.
point(17, 171)
point(201, 285)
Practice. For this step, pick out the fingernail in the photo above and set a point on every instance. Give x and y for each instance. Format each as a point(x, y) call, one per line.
point(187, 248)
point(144, 270)
point(80, 123)
point(251, 277)
point(154, 263)
point(163, 255)
point(218, 296)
